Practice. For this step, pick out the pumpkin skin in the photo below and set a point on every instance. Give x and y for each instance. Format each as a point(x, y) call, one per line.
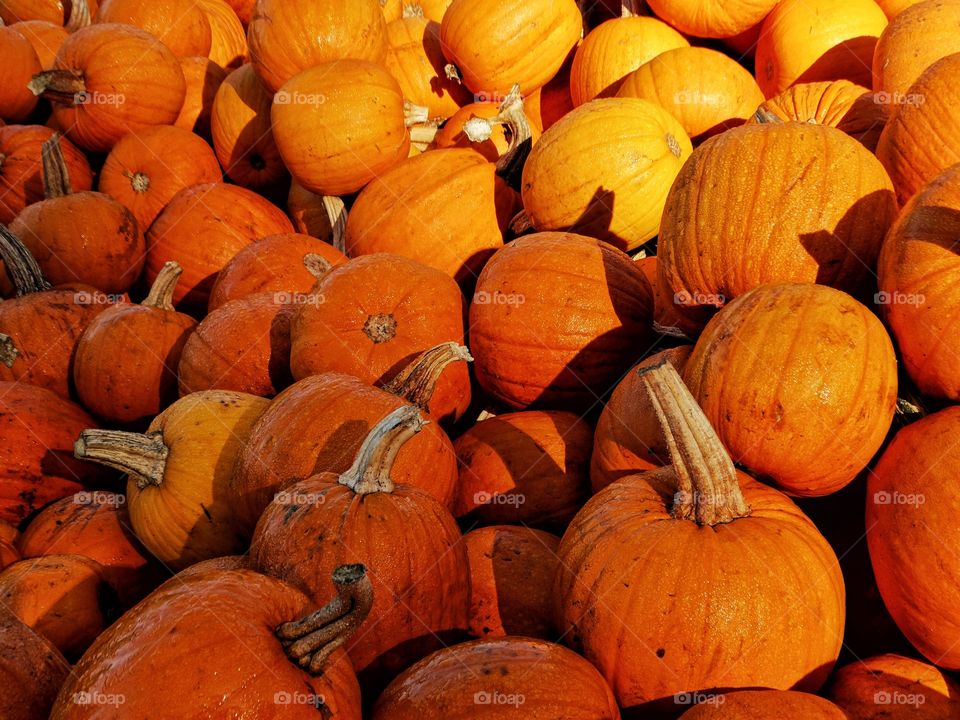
point(228, 39)
point(242, 136)
point(705, 90)
point(62, 597)
point(839, 37)
point(891, 681)
point(491, 44)
point(915, 39)
point(511, 581)
point(188, 35)
point(20, 64)
point(917, 288)
point(272, 264)
point(628, 440)
point(146, 168)
point(817, 221)
point(187, 613)
point(525, 468)
point(892, 8)
point(203, 78)
point(813, 432)
point(228, 218)
point(430, 9)
point(361, 516)
point(9, 553)
point(477, 681)
point(308, 213)
point(286, 38)
point(32, 670)
point(584, 174)
point(414, 210)
point(909, 495)
point(758, 704)
point(372, 316)
point(21, 175)
point(244, 10)
point(902, 144)
point(54, 11)
point(526, 353)
point(130, 80)
point(45, 37)
point(715, 19)
point(339, 125)
point(613, 50)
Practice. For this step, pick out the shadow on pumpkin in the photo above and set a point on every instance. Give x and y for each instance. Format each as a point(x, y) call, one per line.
point(851, 59)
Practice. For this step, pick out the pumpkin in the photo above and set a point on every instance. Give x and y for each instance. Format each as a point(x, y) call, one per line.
point(319, 216)
point(9, 549)
point(339, 125)
point(628, 440)
point(318, 424)
point(80, 237)
point(506, 42)
point(109, 80)
point(454, 132)
point(177, 473)
point(55, 11)
point(666, 318)
point(125, 364)
point(909, 494)
point(181, 25)
point(915, 39)
point(243, 345)
point(525, 468)
point(415, 58)
point(838, 103)
point(892, 8)
point(277, 264)
point(752, 704)
point(766, 609)
point(244, 10)
point(838, 40)
point(45, 37)
point(511, 581)
point(414, 210)
point(497, 678)
point(552, 101)
point(916, 279)
point(227, 217)
point(526, 352)
point(146, 168)
point(32, 668)
point(744, 45)
point(20, 65)
point(813, 432)
point(95, 525)
point(614, 49)
point(228, 39)
point(604, 170)
point(203, 78)
point(899, 687)
point(430, 9)
point(242, 135)
point(705, 90)
point(819, 215)
point(904, 144)
point(372, 316)
point(225, 626)
point(714, 19)
point(286, 38)
point(361, 515)
point(21, 178)
point(65, 598)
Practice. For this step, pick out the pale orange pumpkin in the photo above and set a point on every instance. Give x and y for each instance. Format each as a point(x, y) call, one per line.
point(181, 25)
point(714, 18)
point(46, 38)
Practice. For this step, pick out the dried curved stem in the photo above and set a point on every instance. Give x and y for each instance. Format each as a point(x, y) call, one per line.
point(161, 292)
point(418, 380)
point(79, 15)
point(56, 176)
point(142, 456)
point(21, 266)
point(765, 116)
point(337, 215)
point(64, 87)
point(521, 223)
point(510, 165)
point(370, 472)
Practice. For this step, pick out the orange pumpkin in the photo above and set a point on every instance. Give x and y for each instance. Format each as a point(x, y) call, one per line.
point(286, 37)
point(552, 101)
point(319, 216)
point(614, 49)
point(177, 473)
point(915, 39)
point(764, 606)
point(203, 78)
point(528, 353)
point(228, 39)
point(181, 25)
point(604, 170)
point(705, 90)
point(20, 64)
point(453, 133)
point(32, 668)
point(244, 9)
point(429, 9)
point(714, 19)
point(9, 550)
point(45, 37)
point(906, 689)
point(751, 704)
point(109, 80)
point(55, 11)
point(838, 40)
point(227, 217)
point(241, 130)
point(146, 168)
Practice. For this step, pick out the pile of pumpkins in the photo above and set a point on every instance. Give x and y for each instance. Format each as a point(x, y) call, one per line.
point(395, 359)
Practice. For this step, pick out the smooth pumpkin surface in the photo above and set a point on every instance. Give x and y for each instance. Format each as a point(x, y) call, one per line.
point(892, 8)
point(228, 39)
point(20, 64)
point(902, 687)
point(762, 704)
point(181, 25)
point(915, 39)
point(713, 19)
point(202, 77)
point(45, 37)
point(55, 11)
point(32, 670)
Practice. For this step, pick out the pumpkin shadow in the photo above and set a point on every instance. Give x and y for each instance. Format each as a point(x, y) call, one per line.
point(597, 218)
point(854, 57)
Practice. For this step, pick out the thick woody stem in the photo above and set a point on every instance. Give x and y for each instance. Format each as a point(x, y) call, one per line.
point(510, 165)
point(79, 15)
point(21, 266)
point(142, 456)
point(370, 472)
point(337, 215)
point(64, 87)
point(161, 292)
point(56, 177)
point(418, 380)
point(415, 114)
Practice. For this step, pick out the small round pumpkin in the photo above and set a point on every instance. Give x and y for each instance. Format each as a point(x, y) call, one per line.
point(20, 64)
point(753, 704)
point(203, 78)
point(713, 19)
point(228, 39)
point(146, 168)
point(527, 352)
point(604, 170)
point(177, 473)
point(45, 37)
point(32, 668)
point(915, 39)
point(614, 49)
point(525, 468)
point(181, 25)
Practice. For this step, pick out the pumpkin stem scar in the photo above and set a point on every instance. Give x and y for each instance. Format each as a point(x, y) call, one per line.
point(380, 328)
point(418, 380)
point(139, 182)
point(316, 265)
point(8, 350)
point(371, 470)
point(142, 456)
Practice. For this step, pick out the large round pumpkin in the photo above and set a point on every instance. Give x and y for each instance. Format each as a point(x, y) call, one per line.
point(20, 64)
point(32, 670)
point(914, 40)
point(712, 19)
point(45, 37)
point(755, 704)
point(180, 24)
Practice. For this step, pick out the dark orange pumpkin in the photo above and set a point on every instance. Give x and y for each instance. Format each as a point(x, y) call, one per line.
point(753, 704)
point(32, 668)
point(915, 39)
point(9, 550)
point(20, 64)
point(228, 39)
point(181, 25)
point(55, 11)
point(203, 78)
point(45, 37)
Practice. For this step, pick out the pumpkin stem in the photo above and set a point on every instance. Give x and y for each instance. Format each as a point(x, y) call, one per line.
point(418, 380)
point(337, 215)
point(521, 223)
point(423, 134)
point(412, 10)
point(21, 266)
point(707, 489)
point(370, 472)
point(311, 640)
point(764, 116)
point(8, 350)
point(161, 292)
point(56, 176)
point(510, 165)
point(415, 114)
point(65, 87)
point(79, 15)
point(452, 72)
point(141, 456)
point(632, 8)
point(316, 265)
